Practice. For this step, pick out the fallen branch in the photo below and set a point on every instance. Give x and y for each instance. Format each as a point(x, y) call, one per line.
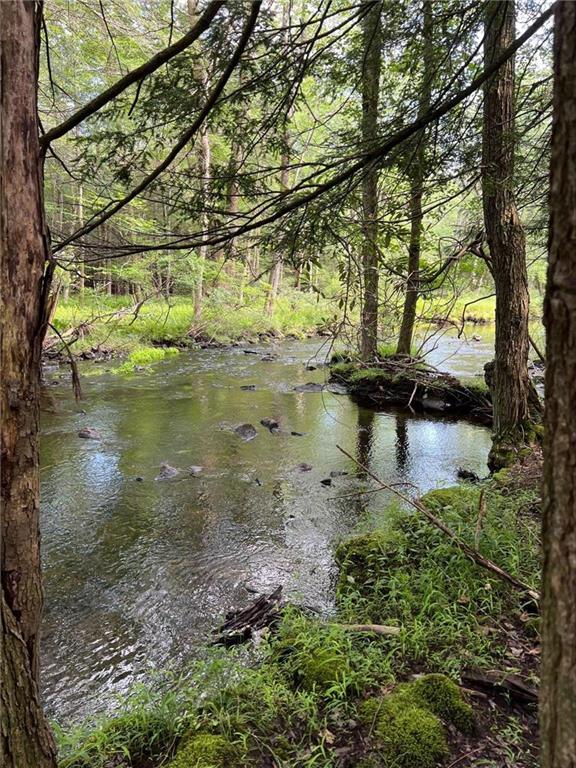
point(473, 554)
point(379, 629)
point(76, 386)
point(501, 684)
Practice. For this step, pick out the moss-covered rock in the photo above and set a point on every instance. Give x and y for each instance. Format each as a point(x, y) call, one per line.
point(405, 729)
point(443, 697)
point(205, 750)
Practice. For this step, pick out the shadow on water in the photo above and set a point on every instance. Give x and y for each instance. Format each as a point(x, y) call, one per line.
point(137, 570)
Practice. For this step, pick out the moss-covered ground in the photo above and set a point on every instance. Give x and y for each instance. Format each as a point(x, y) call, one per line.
point(317, 693)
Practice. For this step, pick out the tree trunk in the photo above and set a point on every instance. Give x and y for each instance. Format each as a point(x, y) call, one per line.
point(26, 741)
point(79, 260)
point(278, 268)
point(372, 32)
point(558, 688)
point(418, 175)
point(204, 164)
point(506, 242)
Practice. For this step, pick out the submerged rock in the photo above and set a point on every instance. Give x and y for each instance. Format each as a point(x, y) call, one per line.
point(309, 387)
point(269, 358)
point(248, 387)
point(303, 467)
point(338, 473)
point(88, 433)
point(195, 470)
point(246, 431)
point(166, 472)
point(326, 481)
point(270, 424)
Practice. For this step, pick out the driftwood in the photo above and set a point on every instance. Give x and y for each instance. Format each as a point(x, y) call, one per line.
point(241, 626)
point(473, 554)
point(500, 684)
point(378, 629)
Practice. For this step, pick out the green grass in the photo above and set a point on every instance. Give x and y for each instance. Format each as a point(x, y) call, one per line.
point(315, 686)
point(171, 323)
point(144, 356)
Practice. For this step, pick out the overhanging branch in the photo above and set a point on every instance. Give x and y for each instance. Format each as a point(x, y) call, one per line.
point(135, 76)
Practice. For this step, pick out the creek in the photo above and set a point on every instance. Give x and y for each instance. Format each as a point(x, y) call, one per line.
point(139, 570)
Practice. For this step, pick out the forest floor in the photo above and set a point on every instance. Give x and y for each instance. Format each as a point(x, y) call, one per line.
point(100, 326)
point(453, 684)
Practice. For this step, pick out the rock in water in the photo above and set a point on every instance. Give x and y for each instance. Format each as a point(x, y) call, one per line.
point(194, 470)
point(466, 474)
point(303, 467)
point(338, 473)
point(309, 387)
point(166, 472)
point(248, 387)
point(270, 423)
point(326, 481)
point(89, 434)
point(246, 431)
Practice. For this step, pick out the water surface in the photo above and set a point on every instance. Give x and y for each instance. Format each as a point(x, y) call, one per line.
point(138, 571)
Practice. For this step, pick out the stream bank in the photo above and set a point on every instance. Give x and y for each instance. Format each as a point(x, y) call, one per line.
point(316, 694)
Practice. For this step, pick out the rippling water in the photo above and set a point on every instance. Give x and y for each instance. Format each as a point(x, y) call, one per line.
point(138, 571)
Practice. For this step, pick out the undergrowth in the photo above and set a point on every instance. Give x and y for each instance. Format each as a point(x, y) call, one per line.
point(317, 693)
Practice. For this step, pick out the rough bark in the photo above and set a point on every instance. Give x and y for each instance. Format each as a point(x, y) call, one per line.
point(371, 62)
point(418, 175)
point(505, 239)
point(558, 688)
point(26, 741)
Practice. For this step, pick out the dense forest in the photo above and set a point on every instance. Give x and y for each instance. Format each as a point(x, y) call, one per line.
point(288, 383)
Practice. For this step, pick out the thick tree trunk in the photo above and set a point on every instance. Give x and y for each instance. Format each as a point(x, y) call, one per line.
point(506, 241)
point(26, 741)
point(371, 61)
point(558, 689)
point(418, 175)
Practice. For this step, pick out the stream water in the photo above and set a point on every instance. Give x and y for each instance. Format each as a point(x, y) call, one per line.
point(138, 570)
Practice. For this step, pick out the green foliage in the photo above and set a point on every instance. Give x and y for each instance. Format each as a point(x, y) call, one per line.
point(204, 750)
point(142, 356)
point(411, 574)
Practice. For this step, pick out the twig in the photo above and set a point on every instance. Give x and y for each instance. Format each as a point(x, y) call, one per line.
point(479, 559)
point(481, 513)
point(379, 629)
point(75, 376)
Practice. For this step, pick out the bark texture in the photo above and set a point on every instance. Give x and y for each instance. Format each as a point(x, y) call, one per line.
point(505, 239)
point(26, 741)
point(418, 175)
point(558, 688)
point(371, 63)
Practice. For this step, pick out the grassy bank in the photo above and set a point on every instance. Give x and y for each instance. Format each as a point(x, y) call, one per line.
point(320, 693)
point(109, 322)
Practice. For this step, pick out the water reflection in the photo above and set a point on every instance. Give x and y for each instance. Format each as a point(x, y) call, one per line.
point(138, 571)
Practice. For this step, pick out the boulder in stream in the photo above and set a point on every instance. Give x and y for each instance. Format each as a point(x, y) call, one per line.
point(246, 431)
point(166, 472)
point(88, 433)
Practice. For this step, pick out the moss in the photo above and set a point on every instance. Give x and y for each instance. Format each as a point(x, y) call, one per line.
point(364, 558)
point(404, 736)
point(364, 375)
point(145, 356)
point(444, 699)
point(313, 656)
point(342, 370)
point(477, 386)
point(205, 750)
point(405, 727)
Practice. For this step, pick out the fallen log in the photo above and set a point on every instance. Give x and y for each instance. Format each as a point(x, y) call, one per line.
point(500, 684)
point(242, 625)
